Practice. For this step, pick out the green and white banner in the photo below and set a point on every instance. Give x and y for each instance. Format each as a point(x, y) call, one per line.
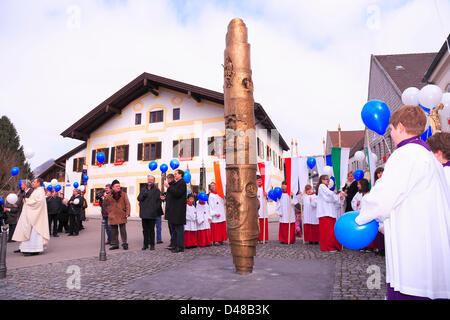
point(339, 158)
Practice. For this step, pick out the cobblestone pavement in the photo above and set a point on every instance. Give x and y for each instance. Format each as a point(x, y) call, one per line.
point(355, 273)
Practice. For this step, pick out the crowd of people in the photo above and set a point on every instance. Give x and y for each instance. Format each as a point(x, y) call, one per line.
point(409, 198)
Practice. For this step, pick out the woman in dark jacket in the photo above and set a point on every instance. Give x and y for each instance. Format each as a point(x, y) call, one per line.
point(149, 209)
point(176, 209)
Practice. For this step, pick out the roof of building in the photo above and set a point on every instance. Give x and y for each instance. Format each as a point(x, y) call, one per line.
point(143, 84)
point(445, 48)
point(348, 138)
point(357, 147)
point(43, 167)
point(406, 70)
point(62, 160)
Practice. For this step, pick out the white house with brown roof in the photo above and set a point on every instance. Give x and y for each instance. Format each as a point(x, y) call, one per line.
point(158, 119)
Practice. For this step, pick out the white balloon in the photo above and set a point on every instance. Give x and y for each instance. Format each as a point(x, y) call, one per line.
point(76, 201)
point(11, 198)
point(410, 96)
point(328, 171)
point(29, 153)
point(81, 188)
point(359, 155)
point(430, 96)
point(54, 182)
point(331, 184)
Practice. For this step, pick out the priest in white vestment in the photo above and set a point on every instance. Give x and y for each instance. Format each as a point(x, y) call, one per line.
point(413, 201)
point(32, 228)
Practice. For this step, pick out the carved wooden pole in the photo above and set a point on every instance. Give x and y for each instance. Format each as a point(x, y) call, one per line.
point(241, 166)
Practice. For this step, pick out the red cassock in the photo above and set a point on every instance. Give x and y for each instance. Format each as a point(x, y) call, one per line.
point(284, 230)
point(328, 241)
point(263, 225)
point(312, 233)
point(190, 239)
point(219, 231)
point(204, 237)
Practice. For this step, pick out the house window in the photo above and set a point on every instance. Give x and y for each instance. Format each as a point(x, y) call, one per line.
point(269, 153)
point(260, 146)
point(157, 116)
point(176, 114)
point(119, 153)
point(78, 164)
point(186, 148)
point(149, 151)
point(94, 155)
point(138, 118)
point(216, 146)
point(274, 158)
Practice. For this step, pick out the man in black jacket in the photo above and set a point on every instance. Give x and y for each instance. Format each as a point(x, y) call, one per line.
point(75, 207)
point(149, 209)
point(176, 209)
point(63, 216)
point(54, 207)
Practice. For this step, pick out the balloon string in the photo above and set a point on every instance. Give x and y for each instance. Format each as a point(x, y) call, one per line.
point(1, 189)
point(384, 139)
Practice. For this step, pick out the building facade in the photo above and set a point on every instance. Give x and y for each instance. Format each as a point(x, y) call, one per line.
point(158, 119)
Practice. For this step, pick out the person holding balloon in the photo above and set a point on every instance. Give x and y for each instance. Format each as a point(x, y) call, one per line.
point(286, 207)
point(327, 201)
point(311, 222)
point(32, 227)
point(350, 188)
point(217, 211)
point(413, 201)
point(75, 206)
point(262, 211)
point(54, 207)
point(203, 221)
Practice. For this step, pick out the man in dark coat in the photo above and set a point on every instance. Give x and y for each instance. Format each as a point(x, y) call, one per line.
point(13, 211)
point(149, 209)
point(54, 206)
point(63, 216)
point(75, 207)
point(176, 209)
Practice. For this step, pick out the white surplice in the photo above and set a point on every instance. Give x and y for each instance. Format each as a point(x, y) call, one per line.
point(203, 216)
point(216, 206)
point(358, 197)
point(447, 175)
point(413, 200)
point(191, 218)
point(328, 203)
point(310, 209)
point(262, 211)
point(282, 208)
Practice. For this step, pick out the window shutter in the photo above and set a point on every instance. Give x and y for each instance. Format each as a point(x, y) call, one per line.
point(175, 149)
point(113, 154)
point(126, 152)
point(106, 155)
point(93, 160)
point(75, 165)
point(195, 147)
point(92, 195)
point(158, 150)
point(139, 151)
point(211, 150)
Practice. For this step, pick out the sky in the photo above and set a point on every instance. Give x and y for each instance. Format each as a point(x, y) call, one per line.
point(310, 59)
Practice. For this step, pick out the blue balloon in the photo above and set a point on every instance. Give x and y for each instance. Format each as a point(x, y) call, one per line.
point(187, 177)
point(272, 195)
point(153, 165)
point(278, 192)
point(76, 185)
point(203, 197)
point(358, 174)
point(428, 133)
point(20, 184)
point(375, 115)
point(163, 168)
point(57, 188)
point(85, 178)
point(2, 201)
point(354, 236)
point(100, 157)
point(311, 162)
point(174, 164)
point(15, 171)
point(49, 187)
